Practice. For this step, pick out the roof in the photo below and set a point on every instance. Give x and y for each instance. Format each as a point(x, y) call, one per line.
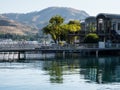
point(110, 16)
point(91, 18)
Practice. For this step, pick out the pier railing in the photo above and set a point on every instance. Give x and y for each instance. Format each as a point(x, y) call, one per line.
point(4, 46)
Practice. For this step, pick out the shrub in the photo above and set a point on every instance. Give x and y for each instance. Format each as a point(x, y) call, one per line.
point(91, 38)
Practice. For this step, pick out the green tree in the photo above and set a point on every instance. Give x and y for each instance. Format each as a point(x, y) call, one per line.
point(64, 32)
point(54, 27)
point(91, 38)
point(60, 31)
point(56, 20)
point(73, 28)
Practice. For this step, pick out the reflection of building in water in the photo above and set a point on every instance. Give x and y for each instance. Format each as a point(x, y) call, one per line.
point(90, 74)
point(89, 68)
point(103, 70)
point(117, 74)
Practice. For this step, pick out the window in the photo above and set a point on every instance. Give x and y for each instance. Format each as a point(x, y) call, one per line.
point(118, 26)
point(101, 25)
point(114, 26)
point(100, 20)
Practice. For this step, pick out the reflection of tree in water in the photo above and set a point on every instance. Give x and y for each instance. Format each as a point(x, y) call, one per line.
point(57, 68)
point(55, 72)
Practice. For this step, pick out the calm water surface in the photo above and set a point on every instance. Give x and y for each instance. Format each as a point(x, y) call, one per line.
point(83, 73)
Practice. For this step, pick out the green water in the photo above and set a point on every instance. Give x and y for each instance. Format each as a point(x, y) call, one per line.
point(81, 73)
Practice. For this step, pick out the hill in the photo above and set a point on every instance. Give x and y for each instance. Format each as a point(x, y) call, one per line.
point(38, 19)
point(8, 26)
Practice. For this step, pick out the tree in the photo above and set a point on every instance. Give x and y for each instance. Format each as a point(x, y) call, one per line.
point(56, 20)
point(54, 27)
point(91, 38)
point(60, 31)
point(74, 28)
point(76, 22)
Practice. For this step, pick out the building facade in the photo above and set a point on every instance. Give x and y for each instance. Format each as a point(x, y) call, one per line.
point(108, 27)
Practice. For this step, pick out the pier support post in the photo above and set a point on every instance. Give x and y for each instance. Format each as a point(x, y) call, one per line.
point(63, 54)
point(12, 56)
point(97, 53)
point(18, 55)
point(3, 56)
point(23, 55)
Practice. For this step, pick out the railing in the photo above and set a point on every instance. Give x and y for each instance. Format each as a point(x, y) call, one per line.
point(117, 45)
point(107, 45)
point(88, 45)
point(18, 46)
point(4, 46)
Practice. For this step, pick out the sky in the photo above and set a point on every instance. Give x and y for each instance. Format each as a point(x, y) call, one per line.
point(92, 7)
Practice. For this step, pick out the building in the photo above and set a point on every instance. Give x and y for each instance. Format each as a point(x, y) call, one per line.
point(90, 24)
point(108, 27)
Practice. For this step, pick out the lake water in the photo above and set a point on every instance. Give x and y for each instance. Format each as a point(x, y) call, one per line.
point(73, 73)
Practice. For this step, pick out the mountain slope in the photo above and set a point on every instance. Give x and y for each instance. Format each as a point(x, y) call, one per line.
point(13, 27)
point(39, 19)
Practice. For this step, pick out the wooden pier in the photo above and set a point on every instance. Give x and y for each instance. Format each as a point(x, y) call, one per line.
point(83, 49)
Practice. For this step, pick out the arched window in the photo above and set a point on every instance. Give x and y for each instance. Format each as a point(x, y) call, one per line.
point(101, 24)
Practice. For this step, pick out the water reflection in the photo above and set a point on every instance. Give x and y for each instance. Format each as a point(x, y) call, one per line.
point(91, 69)
point(100, 70)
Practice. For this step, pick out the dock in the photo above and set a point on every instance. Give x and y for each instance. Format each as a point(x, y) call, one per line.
point(82, 49)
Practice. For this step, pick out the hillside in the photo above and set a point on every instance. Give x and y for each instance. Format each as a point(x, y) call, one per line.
point(39, 19)
point(13, 27)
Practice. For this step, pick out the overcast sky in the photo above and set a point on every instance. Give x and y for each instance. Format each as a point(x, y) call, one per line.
point(92, 7)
